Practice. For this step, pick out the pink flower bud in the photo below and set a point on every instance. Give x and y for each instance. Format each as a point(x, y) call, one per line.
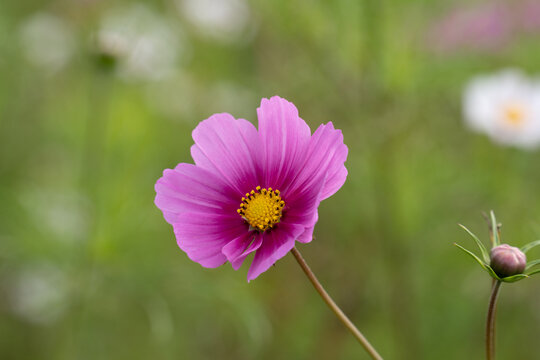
point(507, 260)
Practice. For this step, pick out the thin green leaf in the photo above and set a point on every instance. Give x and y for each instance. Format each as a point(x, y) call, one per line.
point(530, 264)
point(514, 278)
point(483, 249)
point(482, 264)
point(494, 229)
point(529, 246)
point(534, 272)
point(472, 254)
point(491, 272)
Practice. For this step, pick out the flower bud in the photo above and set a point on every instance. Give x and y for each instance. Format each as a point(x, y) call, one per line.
point(507, 260)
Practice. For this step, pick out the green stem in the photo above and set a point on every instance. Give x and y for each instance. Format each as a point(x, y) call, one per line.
point(332, 305)
point(490, 323)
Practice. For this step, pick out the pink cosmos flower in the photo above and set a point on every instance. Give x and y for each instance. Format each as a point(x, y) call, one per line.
point(251, 191)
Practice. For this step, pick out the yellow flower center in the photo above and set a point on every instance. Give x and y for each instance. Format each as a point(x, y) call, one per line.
point(514, 115)
point(261, 208)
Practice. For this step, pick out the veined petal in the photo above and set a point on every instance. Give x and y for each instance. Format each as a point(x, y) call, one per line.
point(202, 236)
point(324, 161)
point(231, 149)
point(285, 137)
point(238, 249)
point(307, 235)
point(189, 188)
point(275, 245)
point(302, 205)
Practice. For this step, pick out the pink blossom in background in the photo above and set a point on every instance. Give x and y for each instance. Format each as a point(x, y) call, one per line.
point(484, 27)
point(530, 16)
point(251, 191)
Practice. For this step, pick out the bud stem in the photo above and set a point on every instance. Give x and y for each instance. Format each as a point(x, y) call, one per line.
point(490, 323)
point(332, 305)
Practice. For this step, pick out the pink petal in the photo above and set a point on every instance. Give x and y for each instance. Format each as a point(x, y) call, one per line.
point(238, 249)
point(301, 206)
point(203, 235)
point(325, 160)
point(285, 137)
point(307, 235)
point(230, 149)
point(276, 244)
point(189, 188)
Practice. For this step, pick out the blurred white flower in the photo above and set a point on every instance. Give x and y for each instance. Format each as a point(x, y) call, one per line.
point(63, 213)
point(174, 97)
point(47, 41)
point(146, 45)
point(232, 98)
point(39, 294)
point(505, 106)
point(223, 20)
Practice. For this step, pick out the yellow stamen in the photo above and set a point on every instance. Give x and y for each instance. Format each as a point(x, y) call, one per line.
point(262, 208)
point(514, 115)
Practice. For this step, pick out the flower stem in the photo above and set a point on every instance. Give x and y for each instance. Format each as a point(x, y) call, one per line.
point(490, 323)
point(332, 305)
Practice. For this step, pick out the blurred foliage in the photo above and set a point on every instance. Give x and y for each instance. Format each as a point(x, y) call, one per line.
point(81, 148)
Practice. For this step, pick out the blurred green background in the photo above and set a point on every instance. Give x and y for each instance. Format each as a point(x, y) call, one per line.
point(98, 97)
